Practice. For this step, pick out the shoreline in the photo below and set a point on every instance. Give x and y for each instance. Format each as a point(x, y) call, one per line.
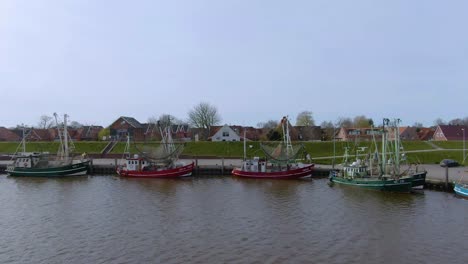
point(436, 175)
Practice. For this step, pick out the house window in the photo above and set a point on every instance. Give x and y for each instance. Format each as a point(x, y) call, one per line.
point(225, 134)
point(354, 132)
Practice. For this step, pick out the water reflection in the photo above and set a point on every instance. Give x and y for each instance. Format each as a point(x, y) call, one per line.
point(220, 219)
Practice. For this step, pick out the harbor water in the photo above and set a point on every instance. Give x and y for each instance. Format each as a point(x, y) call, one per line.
point(107, 219)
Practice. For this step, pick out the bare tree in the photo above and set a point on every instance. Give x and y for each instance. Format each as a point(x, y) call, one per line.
point(362, 121)
point(204, 116)
point(418, 124)
point(45, 122)
point(344, 122)
point(270, 124)
point(305, 118)
point(465, 121)
point(75, 124)
point(328, 130)
point(165, 120)
point(439, 121)
point(456, 121)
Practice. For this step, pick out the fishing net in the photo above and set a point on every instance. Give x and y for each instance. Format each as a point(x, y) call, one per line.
point(280, 153)
point(160, 153)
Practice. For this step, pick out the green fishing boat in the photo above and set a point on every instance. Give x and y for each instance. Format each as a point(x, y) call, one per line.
point(35, 164)
point(386, 174)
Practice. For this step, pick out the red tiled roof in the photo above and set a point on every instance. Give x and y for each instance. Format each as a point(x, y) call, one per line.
point(453, 132)
point(8, 135)
point(426, 133)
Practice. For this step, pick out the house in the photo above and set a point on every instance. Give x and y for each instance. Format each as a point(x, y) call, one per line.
point(179, 132)
point(426, 134)
point(125, 125)
point(406, 133)
point(224, 133)
point(8, 135)
point(306, 133)
point(364, 134)
point(251, 133)
point(37, 134)
point(450, 132)
point(88, 133)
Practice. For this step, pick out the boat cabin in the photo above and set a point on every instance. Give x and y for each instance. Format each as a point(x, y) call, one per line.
point(136, 163)
point(355, 170)
point(254, 165)
point(27, 160)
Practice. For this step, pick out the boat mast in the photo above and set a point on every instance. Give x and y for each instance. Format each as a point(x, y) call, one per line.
point(384, 143)
point(126, 153)
point(65, 136)
point(60, 153)
point(334, 148)
point(23, 141)
point(166, 137)
point(245, 147)
point(396, 123)
point(286, 137)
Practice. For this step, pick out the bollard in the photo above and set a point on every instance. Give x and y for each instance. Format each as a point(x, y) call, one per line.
point(196, 165)
point(222, 166)
point(91, 167)
point(446, 178)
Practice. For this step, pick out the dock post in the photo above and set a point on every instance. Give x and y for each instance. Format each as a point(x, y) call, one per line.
point(446, 178)
point(91, 167)
point(222, 166)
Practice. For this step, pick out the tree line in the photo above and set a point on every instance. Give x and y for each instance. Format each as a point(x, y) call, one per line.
point(204, 116)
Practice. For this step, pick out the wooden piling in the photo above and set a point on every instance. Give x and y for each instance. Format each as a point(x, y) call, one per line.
point(446, 178)
point(222, 166)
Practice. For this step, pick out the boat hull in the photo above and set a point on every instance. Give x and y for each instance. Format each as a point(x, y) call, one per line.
point(461, 190)
point(419, 179)
point(288, 174)
point(167, 173)
point(59, 171)
point(390, 185)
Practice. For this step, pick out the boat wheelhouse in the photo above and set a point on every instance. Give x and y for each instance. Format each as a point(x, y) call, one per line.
point(32, 164)
point(282, 163)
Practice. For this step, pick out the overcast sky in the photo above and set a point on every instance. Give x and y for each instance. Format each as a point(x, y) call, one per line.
point(253, 60)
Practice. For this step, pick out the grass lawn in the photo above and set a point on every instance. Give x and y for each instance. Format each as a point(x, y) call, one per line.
point(450, 144)
point(317, 150)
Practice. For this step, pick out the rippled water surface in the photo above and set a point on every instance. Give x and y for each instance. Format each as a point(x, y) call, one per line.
point(106, 219)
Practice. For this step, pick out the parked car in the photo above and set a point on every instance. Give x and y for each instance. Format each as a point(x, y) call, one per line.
point(449, 163)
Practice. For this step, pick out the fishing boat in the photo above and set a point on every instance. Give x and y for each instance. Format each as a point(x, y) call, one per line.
point(39, 164)
point(461, 189)
point(282, 160)
point(158, 162)
point(387, 175)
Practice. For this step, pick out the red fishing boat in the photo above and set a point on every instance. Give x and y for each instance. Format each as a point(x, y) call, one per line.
point(142, 168)
point(283, 160)
point(250, 170)
point(156, 162)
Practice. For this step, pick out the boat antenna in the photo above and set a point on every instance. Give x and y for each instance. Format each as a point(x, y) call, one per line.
point(23, 141)
point(65, 136)
point(286, 137)
point(61, 148)
point(245, 146)
point(334, 148)
point(126, 153)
